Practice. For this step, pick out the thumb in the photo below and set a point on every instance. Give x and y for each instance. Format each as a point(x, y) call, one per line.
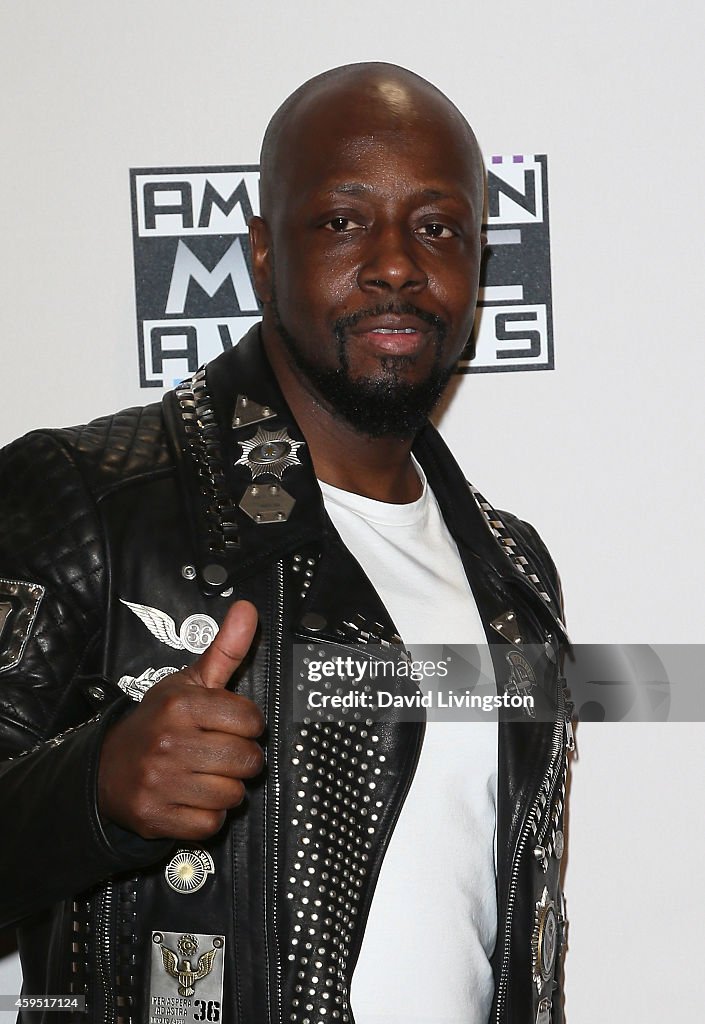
point(228, 647)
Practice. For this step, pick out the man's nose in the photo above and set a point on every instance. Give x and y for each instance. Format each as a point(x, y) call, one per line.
point(391, 263)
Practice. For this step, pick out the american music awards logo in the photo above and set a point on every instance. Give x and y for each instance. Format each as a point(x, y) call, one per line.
point(193, 274)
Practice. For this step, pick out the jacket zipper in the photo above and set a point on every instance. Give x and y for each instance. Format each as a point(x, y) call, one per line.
point(560, 776)
point(273, 768)
point(104, 921)
point(547, 784)
point(550, 792)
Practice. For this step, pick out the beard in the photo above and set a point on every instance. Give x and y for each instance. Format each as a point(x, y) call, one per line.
point(382, 406)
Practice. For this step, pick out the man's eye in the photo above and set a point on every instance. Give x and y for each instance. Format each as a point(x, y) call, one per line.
point(436, 231)
point(341, 224)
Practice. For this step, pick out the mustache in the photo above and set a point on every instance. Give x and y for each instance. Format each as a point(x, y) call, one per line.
point(344, 323)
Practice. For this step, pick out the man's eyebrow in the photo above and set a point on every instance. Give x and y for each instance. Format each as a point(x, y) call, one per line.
point(351, 188)
point(356, 188)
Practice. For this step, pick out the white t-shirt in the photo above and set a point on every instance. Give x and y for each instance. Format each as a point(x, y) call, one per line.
point(433, 921)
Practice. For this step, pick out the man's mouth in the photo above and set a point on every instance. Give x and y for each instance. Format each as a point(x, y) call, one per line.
point(393, 335)
point(387, 332)
point(394, 330)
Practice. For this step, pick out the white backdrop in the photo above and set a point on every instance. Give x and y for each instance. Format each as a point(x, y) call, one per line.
point(603, 454)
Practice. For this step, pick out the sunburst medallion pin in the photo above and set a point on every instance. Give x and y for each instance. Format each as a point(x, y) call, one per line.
point(544, 941)
point(188, 871)
point(269, 451)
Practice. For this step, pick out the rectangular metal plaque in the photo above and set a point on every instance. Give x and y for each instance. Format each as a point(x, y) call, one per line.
point(186, 981)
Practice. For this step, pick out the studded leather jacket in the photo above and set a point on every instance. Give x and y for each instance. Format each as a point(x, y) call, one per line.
point(123, 543)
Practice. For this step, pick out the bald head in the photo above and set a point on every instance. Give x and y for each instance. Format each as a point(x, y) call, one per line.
point(366, 257)
point(370, 100)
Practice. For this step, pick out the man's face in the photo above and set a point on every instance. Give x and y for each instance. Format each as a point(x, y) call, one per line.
point(369, 265)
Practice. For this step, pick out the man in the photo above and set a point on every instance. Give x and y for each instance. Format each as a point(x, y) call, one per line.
point(274, 499)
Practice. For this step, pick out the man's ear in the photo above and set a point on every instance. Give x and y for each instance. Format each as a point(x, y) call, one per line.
point(485, 251)
point(261, 249)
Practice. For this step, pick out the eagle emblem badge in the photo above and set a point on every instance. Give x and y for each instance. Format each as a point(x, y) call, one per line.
point(183, 972)
point(182, 977)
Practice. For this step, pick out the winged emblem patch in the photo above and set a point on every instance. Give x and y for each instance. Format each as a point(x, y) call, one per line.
point(195, 635)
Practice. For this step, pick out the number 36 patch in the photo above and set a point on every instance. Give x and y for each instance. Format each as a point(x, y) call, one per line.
point(196, 633)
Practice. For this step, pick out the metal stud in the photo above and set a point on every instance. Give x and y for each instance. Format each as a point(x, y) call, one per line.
point(559, 844)
point(313, 622)
point(214, 575)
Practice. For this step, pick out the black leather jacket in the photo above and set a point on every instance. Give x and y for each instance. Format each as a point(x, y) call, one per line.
point(143, 507)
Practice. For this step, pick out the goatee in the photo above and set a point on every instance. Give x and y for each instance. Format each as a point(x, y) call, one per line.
point(383, 406)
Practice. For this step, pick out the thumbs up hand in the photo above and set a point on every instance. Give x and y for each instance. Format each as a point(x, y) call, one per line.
point(174, 765)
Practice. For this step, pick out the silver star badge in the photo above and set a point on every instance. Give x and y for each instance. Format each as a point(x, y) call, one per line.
point(269, 451)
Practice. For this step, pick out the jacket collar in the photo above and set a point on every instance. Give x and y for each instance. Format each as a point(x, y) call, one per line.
point(245, 371)
point(497, 583)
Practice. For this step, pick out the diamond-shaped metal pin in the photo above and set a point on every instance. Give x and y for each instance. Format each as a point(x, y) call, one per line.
point(506, 625)
point(247, 411)
point(267, 503)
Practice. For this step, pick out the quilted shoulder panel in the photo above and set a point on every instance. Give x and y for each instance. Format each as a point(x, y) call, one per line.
point(118, 448)
point(50, 538)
